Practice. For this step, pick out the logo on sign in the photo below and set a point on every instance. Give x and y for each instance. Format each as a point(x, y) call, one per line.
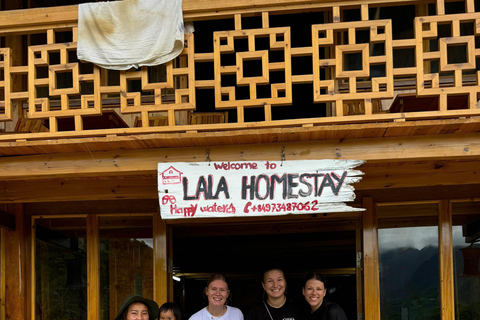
point(171, 176)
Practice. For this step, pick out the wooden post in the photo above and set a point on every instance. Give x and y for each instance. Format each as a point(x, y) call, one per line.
point(358, 269)
point(161, 274)
point(447, 289)
point(15, 283)
point(370, 261)
point(2, 274)
point(93, 268)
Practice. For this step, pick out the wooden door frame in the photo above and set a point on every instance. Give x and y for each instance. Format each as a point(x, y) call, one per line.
point(371, 257)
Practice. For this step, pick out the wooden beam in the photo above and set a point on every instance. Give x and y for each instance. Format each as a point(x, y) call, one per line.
point(371, 277)
point(469, 191)
point(447, 289)
point(122, 162)
point(93, 265)
point(358, 268)
point(192, 9)
point(161, 274)
point(2, 274)
point(112, 188)
point(380, 176)
point(414, 174)
point(107, 207)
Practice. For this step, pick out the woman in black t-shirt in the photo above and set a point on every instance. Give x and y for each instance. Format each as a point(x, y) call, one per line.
point(276, 306)
point(314, 291)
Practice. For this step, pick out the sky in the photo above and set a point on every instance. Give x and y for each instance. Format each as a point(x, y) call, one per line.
point(415, 237)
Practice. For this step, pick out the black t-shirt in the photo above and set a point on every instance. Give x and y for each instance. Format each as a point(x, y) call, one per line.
point(288, 311)
point(328, 311)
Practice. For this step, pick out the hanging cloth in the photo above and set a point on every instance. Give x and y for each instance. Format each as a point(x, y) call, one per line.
point(120, 35)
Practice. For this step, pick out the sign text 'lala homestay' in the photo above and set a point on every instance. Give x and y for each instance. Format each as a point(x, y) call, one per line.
point(232, 189)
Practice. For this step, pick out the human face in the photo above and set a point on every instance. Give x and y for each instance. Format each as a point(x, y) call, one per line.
point(167, 315)
point(137, 311)
point(217, 293)
point(274, 284)
point(314, 292)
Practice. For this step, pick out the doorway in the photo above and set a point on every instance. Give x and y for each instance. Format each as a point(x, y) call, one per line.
point(243, 251)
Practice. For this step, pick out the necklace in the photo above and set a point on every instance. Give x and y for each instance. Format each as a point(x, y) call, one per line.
point(276, 307)
point(216, 317)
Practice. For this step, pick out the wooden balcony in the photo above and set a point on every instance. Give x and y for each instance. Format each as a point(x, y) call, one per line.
point(283, 70)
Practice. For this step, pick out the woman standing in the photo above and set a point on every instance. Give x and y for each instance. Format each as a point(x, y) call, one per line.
point(276, 306)
point(314, 291)
point(217, 293)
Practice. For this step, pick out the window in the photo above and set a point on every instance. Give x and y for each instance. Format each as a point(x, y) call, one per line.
point(126, 260)
point(409, 262)
point(60, 251)
point(466, 258)
point(65, 247)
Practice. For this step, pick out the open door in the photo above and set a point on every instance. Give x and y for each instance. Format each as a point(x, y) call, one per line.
point(243, 251)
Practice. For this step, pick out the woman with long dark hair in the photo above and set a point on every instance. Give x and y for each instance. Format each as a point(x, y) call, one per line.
point(276, 306)
point(314, 290)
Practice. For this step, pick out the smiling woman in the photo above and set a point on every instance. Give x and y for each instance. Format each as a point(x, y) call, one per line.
point(136, 307)
point(276, 307)
point(217, 294)
point(321, 309)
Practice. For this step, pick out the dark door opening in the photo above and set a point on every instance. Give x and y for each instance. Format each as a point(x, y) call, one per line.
point(243, 251)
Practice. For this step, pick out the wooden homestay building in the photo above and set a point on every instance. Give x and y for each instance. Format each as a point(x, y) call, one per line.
point(393, 83)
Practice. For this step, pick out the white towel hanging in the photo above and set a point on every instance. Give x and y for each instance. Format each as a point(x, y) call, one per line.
point(120, 35)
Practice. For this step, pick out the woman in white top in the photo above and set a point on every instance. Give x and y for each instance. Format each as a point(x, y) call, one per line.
point(217, 294)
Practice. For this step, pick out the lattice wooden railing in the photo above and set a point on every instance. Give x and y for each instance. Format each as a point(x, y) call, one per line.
point(60, 87)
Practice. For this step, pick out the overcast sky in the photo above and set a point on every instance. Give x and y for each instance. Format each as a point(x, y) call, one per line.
point(415, 237)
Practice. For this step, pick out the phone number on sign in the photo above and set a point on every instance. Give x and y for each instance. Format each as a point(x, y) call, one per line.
point(282, 207)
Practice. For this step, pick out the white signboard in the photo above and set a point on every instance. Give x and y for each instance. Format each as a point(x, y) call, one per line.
point(256, 188)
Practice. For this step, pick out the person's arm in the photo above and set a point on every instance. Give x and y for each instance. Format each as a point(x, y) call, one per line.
point(240, 316)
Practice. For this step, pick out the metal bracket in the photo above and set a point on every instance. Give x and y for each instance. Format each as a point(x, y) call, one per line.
point(282, 155)
point(360, 316)
point(208, 155)
point(359, 259)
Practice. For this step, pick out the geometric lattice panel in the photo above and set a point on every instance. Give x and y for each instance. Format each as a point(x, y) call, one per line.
point(436, 60)
point(338, 69)
point(5, 85)
point(181, 70)
point(232, 60)
point(54, 81)
point(60, 86)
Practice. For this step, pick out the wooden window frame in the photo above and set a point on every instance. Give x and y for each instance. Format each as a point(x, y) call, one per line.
point(2, 274)
point(371, 257)
point(32, 259)
point(163, 283)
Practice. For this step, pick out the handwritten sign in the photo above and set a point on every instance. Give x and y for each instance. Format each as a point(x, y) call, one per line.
point(256, 188)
